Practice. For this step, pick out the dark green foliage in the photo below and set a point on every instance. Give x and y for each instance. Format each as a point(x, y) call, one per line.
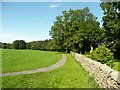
point(103, 55)
point(19, 44)
point(0, 44)
point(35, 45)
point(76, 30)
point(28, 46)
point(111, 24)
point(39, 45)
point(9, 46)
point(5, 45)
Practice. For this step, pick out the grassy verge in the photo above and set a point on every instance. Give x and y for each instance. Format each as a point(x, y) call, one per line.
point(116, 66)
point(71, 75)
point(18, 60)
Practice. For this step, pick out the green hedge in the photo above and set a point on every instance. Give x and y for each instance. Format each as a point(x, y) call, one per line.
point(103, 55)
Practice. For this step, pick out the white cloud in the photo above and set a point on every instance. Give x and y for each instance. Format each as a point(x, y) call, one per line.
point(54, 5)
point(9, 38)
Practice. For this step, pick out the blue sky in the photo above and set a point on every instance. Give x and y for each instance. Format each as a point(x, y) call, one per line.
point(32, 21)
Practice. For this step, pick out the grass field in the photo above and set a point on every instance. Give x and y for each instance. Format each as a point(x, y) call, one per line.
point(0, 60)
point(71, 75)
point(0, 67)
point(18, 60)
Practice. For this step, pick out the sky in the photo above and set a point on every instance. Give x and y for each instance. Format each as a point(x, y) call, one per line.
point(31, 21)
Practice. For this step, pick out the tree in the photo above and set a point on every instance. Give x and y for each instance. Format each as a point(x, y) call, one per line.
point(57, 33)
point(40, 45)
point(4, 45)
point(111, 25)
point(19, 44)
point(76, 30)
point(0, 44)
point(28, 45)
point(9, 46)
point(36, 45)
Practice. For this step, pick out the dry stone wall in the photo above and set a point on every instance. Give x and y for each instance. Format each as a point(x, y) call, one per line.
point(103, 74)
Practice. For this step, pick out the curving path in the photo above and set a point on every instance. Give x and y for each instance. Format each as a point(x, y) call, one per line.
point(54, 66)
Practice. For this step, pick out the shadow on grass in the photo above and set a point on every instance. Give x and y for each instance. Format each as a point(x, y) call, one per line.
point(91, 80)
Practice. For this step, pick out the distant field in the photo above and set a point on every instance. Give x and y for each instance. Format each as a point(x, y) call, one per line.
point(70, 75)
point(18, 60)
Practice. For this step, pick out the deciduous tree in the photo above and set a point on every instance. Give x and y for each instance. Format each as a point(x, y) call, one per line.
point(111, 24)
point(76, 30)
point(19, 44)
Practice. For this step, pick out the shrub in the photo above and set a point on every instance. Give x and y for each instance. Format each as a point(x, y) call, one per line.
point(103, 55)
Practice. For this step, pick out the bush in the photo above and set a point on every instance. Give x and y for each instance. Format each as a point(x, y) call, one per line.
point(103, 55)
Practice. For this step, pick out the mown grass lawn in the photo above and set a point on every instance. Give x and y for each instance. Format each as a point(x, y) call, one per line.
point(0, 60)
point(70, 75)
point(0, 67)
point(18, 60)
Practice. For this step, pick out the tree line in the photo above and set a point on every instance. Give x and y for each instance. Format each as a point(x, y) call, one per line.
point(21, 44)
